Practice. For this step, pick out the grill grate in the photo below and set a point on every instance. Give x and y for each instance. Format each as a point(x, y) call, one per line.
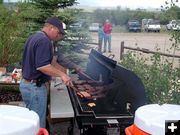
point(86, 108)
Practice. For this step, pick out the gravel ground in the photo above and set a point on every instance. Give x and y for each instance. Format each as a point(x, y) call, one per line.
point(142, 40)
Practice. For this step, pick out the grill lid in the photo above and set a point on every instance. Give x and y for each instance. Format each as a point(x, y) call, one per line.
point(100, 66)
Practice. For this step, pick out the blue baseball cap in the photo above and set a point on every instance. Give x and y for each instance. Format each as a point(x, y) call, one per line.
point(56, 22)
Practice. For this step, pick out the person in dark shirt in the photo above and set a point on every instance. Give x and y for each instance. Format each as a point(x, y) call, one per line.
point(38, 67)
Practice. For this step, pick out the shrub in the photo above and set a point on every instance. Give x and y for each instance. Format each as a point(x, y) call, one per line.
point(161, 80)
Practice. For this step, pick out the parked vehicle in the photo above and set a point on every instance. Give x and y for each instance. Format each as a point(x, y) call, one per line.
point(144, 23)
point(94, 27)
point(76, 25)
point(134, 25)
point(153, 25)
point(173, 25)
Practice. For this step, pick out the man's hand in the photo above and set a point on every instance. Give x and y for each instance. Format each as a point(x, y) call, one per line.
point(67, 80)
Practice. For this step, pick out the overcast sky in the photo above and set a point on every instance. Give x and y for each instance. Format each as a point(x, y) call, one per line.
point(124, 3)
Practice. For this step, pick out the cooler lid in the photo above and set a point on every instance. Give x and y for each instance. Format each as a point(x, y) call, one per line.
point(15, 120)
point(151, 118)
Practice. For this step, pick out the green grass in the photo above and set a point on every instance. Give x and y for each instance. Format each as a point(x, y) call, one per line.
point(119, 29)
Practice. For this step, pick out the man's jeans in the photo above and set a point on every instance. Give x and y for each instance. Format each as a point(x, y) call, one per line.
point(107, 38)
point(35, 99)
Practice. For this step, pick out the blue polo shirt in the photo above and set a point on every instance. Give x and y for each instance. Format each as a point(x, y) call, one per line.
point(38, 52)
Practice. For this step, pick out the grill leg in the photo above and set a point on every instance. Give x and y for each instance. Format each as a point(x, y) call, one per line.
point(71, 127)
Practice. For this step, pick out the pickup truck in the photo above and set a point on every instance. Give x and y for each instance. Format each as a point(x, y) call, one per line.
point(134, 25)
point(153, 25)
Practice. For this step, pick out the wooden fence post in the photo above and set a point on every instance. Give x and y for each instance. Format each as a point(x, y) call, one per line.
point(121, 50)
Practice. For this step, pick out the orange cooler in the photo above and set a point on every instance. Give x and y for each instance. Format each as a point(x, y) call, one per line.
point(150, 119)
point(134, 130)
point(42, 131)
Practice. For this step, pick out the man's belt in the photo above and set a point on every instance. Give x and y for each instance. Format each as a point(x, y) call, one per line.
point(38, 82)
point(30, 81)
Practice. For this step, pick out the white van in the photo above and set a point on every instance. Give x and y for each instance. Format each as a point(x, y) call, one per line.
point(94, 27)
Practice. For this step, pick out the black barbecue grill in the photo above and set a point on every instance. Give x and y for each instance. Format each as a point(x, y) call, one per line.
point(114, 111)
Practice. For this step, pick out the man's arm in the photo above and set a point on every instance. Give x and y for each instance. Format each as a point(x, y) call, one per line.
point(57, 65)
point(53, 71)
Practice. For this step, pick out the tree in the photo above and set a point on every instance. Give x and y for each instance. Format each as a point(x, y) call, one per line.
point(11, 32)
point(17, 22)
point(48, 8)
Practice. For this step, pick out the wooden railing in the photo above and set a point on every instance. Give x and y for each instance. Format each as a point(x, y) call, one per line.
point(144, 51)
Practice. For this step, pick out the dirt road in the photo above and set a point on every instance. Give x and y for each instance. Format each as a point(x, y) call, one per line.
point(149, 41)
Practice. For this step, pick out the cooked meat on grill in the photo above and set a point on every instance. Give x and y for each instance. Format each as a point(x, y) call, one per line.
point(79, 94)
point(87, 86)
point(79, 85)
point(94, 82)
point(91, 81)
point(99, 88)
point(99, 92)
point(83, 94)
point(79, 82)
point(81, 88)
point(90, 90)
